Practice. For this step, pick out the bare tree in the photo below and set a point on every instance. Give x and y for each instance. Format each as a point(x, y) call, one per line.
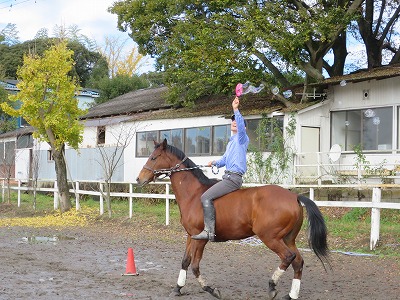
point(7, 165)
point(111, 156)
point(34, 170)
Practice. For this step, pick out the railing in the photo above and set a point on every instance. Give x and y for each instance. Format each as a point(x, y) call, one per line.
point(375, 204)
point(318, 167)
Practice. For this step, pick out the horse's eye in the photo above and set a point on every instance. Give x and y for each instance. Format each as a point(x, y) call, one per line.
point(153, 158)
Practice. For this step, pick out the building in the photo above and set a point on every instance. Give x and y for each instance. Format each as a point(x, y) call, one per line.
point(355, 110)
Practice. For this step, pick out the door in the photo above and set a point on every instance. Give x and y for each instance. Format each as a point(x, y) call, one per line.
point(310, 145)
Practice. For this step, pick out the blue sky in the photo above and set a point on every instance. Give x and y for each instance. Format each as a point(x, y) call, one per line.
point(90, 16)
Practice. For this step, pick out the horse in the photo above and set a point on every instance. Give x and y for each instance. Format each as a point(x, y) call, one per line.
point(270, 212)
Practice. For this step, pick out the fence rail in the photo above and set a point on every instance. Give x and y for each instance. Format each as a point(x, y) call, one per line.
point(375, 204)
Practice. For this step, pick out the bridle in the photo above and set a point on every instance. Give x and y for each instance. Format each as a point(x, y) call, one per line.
point(168, 172)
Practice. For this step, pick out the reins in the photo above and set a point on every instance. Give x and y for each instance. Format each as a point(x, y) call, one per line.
point(168, 172)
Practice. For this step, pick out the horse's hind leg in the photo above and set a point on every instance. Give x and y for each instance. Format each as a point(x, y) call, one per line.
point(186, 260)
point(197, 253)
point(297, 265)
point(286, 255)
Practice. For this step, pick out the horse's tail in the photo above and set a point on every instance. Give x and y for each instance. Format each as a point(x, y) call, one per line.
point(317, 232)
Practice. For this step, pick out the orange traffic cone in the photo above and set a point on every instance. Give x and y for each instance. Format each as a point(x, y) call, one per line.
point(130, 264)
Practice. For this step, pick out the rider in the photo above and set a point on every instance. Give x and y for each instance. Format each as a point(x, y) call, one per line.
point(234, 159)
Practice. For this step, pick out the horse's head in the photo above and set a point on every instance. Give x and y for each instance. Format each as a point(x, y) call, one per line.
point(158, 163)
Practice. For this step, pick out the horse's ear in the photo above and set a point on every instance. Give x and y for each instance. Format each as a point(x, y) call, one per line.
point(155, 143)
point(164, 144)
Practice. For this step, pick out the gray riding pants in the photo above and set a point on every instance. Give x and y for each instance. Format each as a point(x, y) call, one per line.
point(230, 182)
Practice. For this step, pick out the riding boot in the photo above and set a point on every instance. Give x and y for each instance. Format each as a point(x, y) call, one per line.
point(209, 223)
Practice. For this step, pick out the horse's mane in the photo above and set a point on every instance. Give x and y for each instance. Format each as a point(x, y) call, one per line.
point(190, 164)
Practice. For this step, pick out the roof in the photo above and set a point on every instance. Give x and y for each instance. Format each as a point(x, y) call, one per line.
point(151, 103)
point(18, 132)
point(130, 103)
point(364, 75)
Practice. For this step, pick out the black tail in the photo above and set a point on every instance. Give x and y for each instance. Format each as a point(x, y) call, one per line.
point(317, 236)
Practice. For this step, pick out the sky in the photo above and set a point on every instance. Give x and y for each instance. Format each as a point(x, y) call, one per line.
point(90, 16)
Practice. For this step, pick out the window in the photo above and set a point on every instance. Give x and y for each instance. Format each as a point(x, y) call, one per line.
point(24, 141)
point(211, 140)
point(370, 128)
point(101, 135)
point(174, 137)
point(50, 156)
point(221, 135)
point(263, 132)
point(145, 142)
point(197, 141)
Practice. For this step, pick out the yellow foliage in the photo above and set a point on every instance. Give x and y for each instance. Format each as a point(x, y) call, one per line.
point(71, 218)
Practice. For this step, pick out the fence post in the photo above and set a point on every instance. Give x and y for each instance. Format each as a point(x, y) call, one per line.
point(19, 193)
point(101, 199)
point(167, 204)
point(312, 194)
point(3, 189)
point(77, 204)
point(375, 218)
point(55, 195)
point(130, 200)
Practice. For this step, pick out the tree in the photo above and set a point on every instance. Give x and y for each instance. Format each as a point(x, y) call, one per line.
point(377, 28)
point(7, 123)
point(118, 85)
point(9, 34)
point(48, 103)
point(120, 63)
point(89, 62)
point(122, 135)
point(207, 48)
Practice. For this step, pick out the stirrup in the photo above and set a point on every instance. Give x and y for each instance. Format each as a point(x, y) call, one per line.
point(204, 235)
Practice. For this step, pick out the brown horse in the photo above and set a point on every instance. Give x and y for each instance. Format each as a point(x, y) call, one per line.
point(271, 212)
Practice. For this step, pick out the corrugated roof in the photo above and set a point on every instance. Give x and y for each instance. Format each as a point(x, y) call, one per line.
point(130, 103)
point(151, 104)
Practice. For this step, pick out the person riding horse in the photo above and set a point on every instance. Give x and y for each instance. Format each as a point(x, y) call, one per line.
point(234, 159)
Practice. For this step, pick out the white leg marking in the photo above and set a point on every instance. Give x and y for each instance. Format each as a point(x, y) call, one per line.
point(202, 281)
point(295, 290)
point(182, 278)
point(277, 274)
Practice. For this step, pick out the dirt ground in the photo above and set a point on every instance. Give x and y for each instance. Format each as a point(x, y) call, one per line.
point(82, 263)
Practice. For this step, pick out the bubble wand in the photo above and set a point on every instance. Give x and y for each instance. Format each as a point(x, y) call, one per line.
point(247, 87)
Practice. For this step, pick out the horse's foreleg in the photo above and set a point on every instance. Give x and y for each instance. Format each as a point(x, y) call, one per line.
point(197, 252)
point(186, 260)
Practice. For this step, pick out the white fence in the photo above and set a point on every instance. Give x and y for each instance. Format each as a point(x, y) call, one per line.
point(375, 203)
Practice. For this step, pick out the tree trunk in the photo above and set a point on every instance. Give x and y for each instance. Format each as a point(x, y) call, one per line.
point(62, 180)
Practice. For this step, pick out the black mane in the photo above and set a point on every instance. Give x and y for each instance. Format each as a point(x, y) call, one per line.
point(190, 164)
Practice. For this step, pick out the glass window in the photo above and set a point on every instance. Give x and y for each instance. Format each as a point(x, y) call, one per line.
point(221, 135)
point(363, 127)
point(145, 142)
point(197, 141)
point(264, 132)
point(101, 135)
point(174, 137)
point(25, 141)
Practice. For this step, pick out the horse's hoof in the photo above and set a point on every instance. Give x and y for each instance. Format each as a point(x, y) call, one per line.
point(286, 297)
point(216, 293)
point(176, 292)
point(272, 294)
